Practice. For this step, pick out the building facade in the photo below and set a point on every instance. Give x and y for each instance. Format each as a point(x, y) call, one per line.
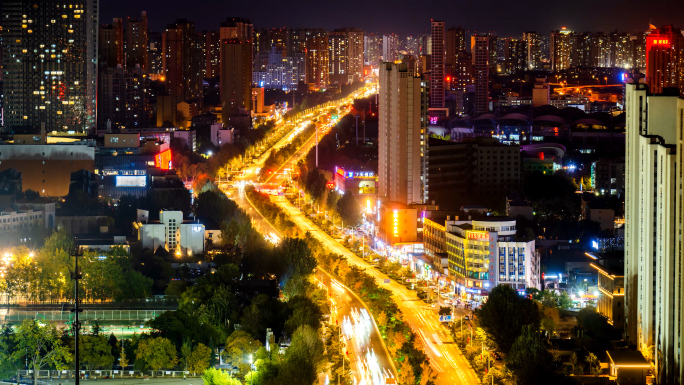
point(611, 298)
point(485, 253)
point(172, 233)
point(236, 77)
point(653, 225)
point(665, 59)
point(437, 65)
point(480, 54)
point(402, 135)
point(50, 64)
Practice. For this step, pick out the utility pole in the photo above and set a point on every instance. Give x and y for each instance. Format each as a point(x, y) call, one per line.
point(316, 128)
point(76, 276)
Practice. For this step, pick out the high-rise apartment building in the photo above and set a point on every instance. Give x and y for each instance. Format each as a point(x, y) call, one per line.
point(534, 52)
point(515, 55)
point(121, 100)
point(653, 227)
point(212, 55)
point(182, 62)
point(562, 44)
point(280, 72)
point(480, 53)
point(154, 54)
point(136, 42)
point(372, 49)
point(237, 28)
point(463, 72)
point(600, 50)
point(345, 55)
point(50, 63)
point(402, 135)
point(338, 46)
point(621, 50)
point(437, 65)
point(665, 59)
point(317, 56)
point(390, 47)
point(110, 47)
point(236, 76)
point(454, 43)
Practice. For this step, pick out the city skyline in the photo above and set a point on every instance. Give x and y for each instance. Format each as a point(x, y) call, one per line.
point(506, 18)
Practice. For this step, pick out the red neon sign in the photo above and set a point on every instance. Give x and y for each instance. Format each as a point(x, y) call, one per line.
point(163, 160)
point(479, 236)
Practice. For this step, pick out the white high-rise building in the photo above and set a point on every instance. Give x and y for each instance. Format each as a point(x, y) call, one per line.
point(653, 229)
point(402, 135)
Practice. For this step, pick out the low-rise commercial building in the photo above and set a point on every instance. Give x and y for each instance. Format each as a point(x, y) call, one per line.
point(485, 253)
point(172, 233)
point(611, 296)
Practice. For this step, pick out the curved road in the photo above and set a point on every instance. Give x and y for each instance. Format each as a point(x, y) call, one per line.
point(365, 366)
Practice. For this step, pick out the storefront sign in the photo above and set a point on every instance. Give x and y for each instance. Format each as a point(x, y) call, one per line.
point(478, 235)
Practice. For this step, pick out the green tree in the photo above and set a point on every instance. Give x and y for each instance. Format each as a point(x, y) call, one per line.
point(185, 351)
point(213, 376)
point(406, 376)
point(157, 353)
point(10, 364)
point(95, 352)
point(505, 313)
point(239, 346)
point(199, 359)
point(348, 208)
point(302, 358)
point(593, 363)
point(40, 346)
point(529, 360)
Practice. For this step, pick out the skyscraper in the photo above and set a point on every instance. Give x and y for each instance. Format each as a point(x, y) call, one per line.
point(136, 42)
point(338, 47)
point(534, 54)
point(654, 269)
point(390, 45)
point(121, 101)
point(236, 76)
point(212, 55)
point(50, 63)
point(182, 62)
point(437, 65)
point(480, 52)
point(665, 59)
point(516, 55)
point(355, 41)
point(454, 43)
point(110, 49)
point(402, 135)
point(561, 47)
point(317, 57)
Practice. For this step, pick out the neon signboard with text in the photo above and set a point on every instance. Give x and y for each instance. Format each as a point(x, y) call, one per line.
point(478, 235)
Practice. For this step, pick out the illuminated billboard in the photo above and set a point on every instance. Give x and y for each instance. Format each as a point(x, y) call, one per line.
point(131, 181)
point(163, 160)
point(478, 235)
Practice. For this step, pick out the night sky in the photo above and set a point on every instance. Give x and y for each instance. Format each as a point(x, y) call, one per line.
point(507, 18)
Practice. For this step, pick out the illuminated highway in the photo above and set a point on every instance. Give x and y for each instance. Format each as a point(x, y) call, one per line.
point(446, 359)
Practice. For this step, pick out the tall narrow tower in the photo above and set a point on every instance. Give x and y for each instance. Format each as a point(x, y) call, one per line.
point(437, 65)
point(402, 135)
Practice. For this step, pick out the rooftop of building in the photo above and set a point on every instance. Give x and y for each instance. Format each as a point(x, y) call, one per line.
point(631, 358)
point(396, 205)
